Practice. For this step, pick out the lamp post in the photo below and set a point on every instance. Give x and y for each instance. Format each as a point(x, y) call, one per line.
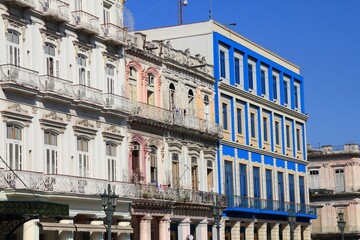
point(181, 4)
point(217, 212)
point(108, 202)
point(292, 221)
point(341, 223)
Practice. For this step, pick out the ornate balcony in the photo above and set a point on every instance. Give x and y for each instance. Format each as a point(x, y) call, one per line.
point(113, 33)
point(151, 113)
point(86, 21)
point(55, 9)
point(88, 96)
point(56, 88)
point(22, 3)
point(272, 205)
point(195, 123)
point(116, 103)
point(18, 79)
point(61, 184)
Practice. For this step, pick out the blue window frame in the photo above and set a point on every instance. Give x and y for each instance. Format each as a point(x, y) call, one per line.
point(256, 175)
point(252, 125)
point(302, 189)
point(291, 188)
point(269, 188)
point(277, 133)
point(263, 82)
point(229, 183)
point(286, 97)
point(275, 93)
point(281, 195)
point(243, 180)
point(265, 129)
point(250, 76)
point(298, 142)
point(288, 144)
point(222, 64)
point(296, 97)
point(225, 119)
point(237, 70)
point(239, 120)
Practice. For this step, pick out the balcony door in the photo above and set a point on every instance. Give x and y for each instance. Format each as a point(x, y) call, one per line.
point(229, 182)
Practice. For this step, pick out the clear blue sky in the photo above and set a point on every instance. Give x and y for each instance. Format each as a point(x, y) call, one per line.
point(322, 37)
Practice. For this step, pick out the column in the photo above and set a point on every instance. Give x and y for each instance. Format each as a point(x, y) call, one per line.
point(307, 232)
point(275, 231)
point(123, 236)
point(262, 231)
point(65, 235)
point(235, 230)
point(202, 230)
point(249, 230)
point(31, 230)
point(297, 232)
point(96, 235)
point(183, 229)
point(286, 231)
point(164, 228)
point(145, 227)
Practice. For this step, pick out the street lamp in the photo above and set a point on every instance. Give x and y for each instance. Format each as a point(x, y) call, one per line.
point(292, 221)
point(341, 223)
point(217, 212)
point(108, 202)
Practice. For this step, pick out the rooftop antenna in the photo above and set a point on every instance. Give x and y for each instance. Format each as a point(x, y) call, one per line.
point(182, 3)
point(210, 10)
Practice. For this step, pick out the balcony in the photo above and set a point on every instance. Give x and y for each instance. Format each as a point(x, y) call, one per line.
point(270, 205)
point(56, 88)
point(61, 184)
point(116, 103)
point(22, 3)
point(150, 112)
point(114, 34)
point(195, 123)
point(88, 96)
point(86, 22)
point(18, 79)
point(55, 9)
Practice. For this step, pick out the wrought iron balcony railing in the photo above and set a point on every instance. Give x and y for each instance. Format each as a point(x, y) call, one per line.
point(114, 33)
point(19, 76)
point(192, 122)
point(24, 3)
point(116, 102)
point(147, 111)
point(86, 21)
point(88, 94)
point(56, 86)
point(56, 9)
point(273, 205)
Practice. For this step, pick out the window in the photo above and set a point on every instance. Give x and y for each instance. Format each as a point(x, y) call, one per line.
point(153, 164)
point(238, 69)
point(265, 129)
point(252, 125)
point(172, 96)
point(239, 121)
point(110, 72)
point(286, 91)
point(256, 179)
point(264, 80)
point(297, 95)
point(243, 180)
point(269, 193)
point(78, 5)
point(106, 14)
point(275, 79)
point(277, 132)
point(339, 180)
point(281, 196)
point(229, 191)
point(83, 157)
point(210, 176)
point(51, 153)
point(288, 135)
point(111, 161)
point(151, 90)
point(151, 79)
point(206, 107)
point(251, 76)
point(298, 139)
point(13, 42)
point(222, 64)
point(133, 83)
point(314, 179)
point(84, 73)
point(52, 65)
point(302, 189)
point(291, 188)
point(194, 174)
point(175, 170)
point(14, 147)
point(224, 115)
point(191, 102)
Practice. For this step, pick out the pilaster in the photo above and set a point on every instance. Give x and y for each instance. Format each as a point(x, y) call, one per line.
point(145, 227)
point(201, 230)
point(275, 231)
point(262, 233)
point(235, 230)
point(307, 232)
point(286, 231)
point(164, 228)
point(184, 229)
point(249, 230)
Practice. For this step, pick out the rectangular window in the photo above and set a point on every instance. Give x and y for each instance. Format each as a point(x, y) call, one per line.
point(275, 87)
point(243, 180)
point(263, 82)
point(291, 188)
point(111, 161)
point(302, 189)
point(224, 115)
point(286, 97)
point(256, 179)
point(269, 194)
point(14, 147)
point(252, 125)
point(281, 196)
point(296, 103)
point(237, 70)
point(277, 133)
point(288, 138)
point(175, 170)
point(250, 76)
point(229, 183)
point(222, 64)
point(314, 179)
point(298, 140)
point(51, 156)
point(210, 176)
point(339, 180)
point(239, 120)
point(265, 129)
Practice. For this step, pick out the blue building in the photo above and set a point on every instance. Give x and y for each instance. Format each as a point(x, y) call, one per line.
point(262, 162)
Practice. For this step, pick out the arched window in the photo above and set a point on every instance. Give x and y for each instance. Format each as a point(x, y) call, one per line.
point(52, 64)
point(51, 152)
point(14, 147)
point(172, 96)
point(111, 160)
point(83, 157)
point(151, 90)
point(153, 164)
point(13, 42)
point(110, 76)
point(135, 157)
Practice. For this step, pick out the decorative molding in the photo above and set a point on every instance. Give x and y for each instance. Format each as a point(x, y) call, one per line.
point(52, 120)
point(112, 133)
point(85, 127)
point(16, 112)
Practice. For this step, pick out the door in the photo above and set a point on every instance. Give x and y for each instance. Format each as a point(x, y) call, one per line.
point(229, 183)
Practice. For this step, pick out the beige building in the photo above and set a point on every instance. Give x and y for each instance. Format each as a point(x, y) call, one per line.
point(335, 187)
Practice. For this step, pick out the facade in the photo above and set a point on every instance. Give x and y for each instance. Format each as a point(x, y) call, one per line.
point(334, 188)
point(262, 157)
point(84, 104)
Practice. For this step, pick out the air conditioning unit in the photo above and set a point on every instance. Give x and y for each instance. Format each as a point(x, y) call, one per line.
point(136, 147)
point(77, 19)
point(106, 31)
